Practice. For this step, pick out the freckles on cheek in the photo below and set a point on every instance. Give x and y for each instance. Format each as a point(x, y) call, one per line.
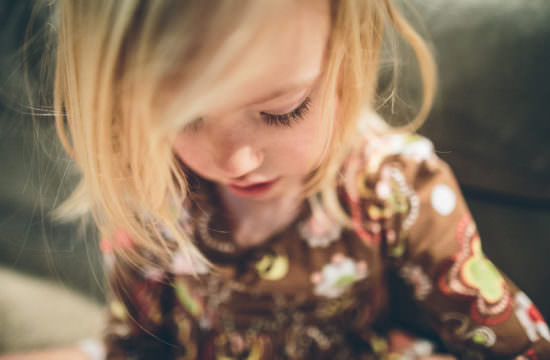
point(196, 162)
point(306, 142)
point(188, 152)
point(307, 150)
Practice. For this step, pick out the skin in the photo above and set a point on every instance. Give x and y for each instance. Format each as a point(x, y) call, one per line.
point(233, 143)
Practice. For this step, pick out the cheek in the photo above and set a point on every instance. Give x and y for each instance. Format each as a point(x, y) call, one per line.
point(187, 148)
point(318, 134)
point(307, 142)
point(320, 129)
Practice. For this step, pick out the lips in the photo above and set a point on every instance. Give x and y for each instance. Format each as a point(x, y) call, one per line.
point(252, 189)
point(249, 185)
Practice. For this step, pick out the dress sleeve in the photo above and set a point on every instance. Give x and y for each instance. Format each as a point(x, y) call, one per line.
point(430, 240)
point(143, 321)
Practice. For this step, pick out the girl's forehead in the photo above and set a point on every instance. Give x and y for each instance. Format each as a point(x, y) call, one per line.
point(288, 58)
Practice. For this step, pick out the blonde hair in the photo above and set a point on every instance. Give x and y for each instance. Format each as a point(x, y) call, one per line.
point(117, 62)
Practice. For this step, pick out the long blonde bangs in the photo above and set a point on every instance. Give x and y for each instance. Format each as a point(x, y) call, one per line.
point(117, 62)
point(119, 99)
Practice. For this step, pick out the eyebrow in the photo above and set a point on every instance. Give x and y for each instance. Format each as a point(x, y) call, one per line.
point(303, 83)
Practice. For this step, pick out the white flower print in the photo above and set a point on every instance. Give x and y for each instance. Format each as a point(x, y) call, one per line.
point(338, 276)
point(319, 230)
point(443, 199)
point(383, 189)
point(415, 276)
point(414, 147)
point(530, 318)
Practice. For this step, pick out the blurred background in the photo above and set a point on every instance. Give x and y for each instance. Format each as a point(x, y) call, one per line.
point(490, 122)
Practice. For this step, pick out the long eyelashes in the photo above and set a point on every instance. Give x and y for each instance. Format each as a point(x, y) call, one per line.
point(288, 118)
point(270, 119)
point(195, 125)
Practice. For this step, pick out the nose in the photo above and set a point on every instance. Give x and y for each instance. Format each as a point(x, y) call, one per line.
point(240, 161)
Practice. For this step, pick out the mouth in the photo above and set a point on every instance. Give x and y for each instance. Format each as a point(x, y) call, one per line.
point(253, 189)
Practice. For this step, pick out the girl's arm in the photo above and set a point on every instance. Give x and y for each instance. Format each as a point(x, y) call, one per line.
point(431, 242)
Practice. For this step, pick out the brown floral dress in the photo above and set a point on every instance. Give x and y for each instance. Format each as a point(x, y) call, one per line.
point(317, 290)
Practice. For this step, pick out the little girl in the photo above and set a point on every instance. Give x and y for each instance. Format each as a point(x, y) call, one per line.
point(252, 204)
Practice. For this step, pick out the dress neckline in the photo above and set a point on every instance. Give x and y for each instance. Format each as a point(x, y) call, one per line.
point(212, 228)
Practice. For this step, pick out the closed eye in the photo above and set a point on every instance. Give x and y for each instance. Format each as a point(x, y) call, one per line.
point(288, 118)
point(270, 119)
point(195, 125)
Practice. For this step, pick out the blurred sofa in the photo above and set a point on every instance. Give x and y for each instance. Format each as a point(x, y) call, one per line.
point(490, 122)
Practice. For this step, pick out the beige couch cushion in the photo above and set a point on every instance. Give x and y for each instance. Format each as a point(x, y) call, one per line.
point(39, 313)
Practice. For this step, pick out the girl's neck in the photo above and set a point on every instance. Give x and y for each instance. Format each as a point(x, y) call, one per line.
point(254, 221)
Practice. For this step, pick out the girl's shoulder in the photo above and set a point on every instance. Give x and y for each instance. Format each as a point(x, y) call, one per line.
point(404, 157)
point(392, 185)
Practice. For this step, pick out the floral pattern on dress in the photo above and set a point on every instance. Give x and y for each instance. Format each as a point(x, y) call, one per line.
point(392, 190)
point(411, 146)
point(237, 346)
point(319, 230)
point(338, 276)
point(459, 324)
point(184, 332)
point(443, 199)
point(470, 275)
point(418, 279)
point(190, 301)
point(118, 310)
point(330, 307)
point(147, 299)
point(391, 197)
point(531, 318)
point(272, 266)
point(528, 354)
point(122, 325)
